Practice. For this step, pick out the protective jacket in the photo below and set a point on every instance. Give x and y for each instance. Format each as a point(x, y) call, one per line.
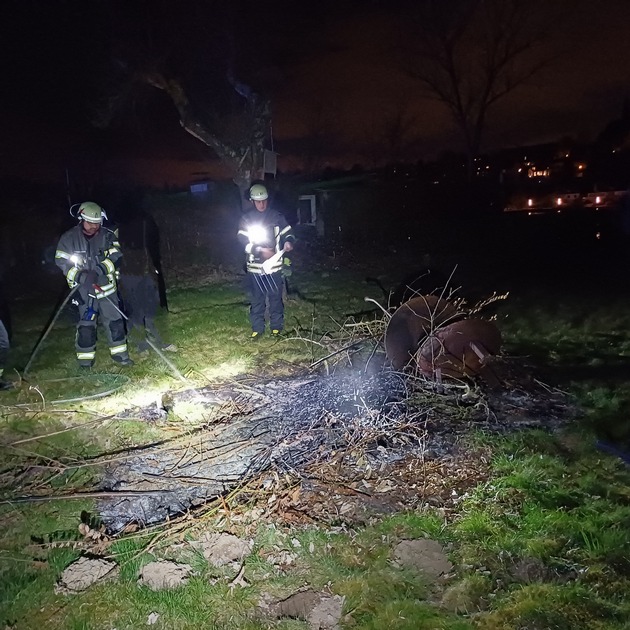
point(258, 230)
point(100, 253)
point(79, 257)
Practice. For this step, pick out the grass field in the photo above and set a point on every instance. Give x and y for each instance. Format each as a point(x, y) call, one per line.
point(540, 542)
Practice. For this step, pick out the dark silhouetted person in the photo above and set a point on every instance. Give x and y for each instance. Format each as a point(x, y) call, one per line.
point(139, 278)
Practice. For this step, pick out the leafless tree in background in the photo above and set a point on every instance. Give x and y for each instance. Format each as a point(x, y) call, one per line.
point(471, 53)
point(398, 135)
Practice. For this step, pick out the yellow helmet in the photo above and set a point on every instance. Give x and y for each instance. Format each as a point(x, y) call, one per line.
point(258, 193)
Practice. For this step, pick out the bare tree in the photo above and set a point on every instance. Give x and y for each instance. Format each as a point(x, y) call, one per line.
point(213, 104)
point(471, 53)
point(396, 137)
point(241, 146)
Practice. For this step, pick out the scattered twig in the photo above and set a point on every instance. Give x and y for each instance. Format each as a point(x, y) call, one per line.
point(82, 495)
point(66, 430)
point(332, 354)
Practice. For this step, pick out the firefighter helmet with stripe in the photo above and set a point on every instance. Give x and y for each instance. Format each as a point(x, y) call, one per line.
point(90, 212)
point(258, 192)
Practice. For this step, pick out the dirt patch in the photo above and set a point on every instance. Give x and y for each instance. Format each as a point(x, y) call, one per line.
point(223, 549)
point(321, 611)
point(81, 574)
point(164, 575)
point(424, 555)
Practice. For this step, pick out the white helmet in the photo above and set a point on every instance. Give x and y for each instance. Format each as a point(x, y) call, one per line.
point(90, 212)
point(258, 193)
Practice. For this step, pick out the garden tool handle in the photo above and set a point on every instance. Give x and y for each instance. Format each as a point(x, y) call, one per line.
point(98, 289)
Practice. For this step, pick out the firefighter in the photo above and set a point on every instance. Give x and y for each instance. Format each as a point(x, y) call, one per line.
point(265, 236)
point(89, 255)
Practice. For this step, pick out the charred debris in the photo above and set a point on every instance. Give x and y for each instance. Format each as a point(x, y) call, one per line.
point(441, 375)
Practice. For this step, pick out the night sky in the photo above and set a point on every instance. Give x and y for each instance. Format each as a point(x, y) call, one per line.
point(334, 60)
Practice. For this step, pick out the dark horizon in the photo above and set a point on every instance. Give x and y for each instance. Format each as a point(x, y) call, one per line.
point(335, 59)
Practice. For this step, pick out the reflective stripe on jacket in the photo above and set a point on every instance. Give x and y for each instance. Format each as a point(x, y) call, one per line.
point(100, 253)
point(268, 229)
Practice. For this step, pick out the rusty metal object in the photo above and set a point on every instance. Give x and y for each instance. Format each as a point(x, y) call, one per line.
point(463, 348)
point(411, 323)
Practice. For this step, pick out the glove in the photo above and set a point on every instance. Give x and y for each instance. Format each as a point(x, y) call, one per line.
point(266, 253)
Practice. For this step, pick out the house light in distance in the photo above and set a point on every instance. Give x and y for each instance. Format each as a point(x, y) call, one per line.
point(530, 203)
point(538, 172)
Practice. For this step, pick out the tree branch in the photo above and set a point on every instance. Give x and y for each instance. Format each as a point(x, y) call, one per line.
point(189, 121)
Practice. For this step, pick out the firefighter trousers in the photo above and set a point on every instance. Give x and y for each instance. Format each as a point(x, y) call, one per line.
point(266, 289)
point(112, 322)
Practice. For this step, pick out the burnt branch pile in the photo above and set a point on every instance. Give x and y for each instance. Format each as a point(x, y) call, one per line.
point(231, 435)
point(284, 424)
point(293, 424)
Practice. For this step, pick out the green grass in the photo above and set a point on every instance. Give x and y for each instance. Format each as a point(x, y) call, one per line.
point(553, 503)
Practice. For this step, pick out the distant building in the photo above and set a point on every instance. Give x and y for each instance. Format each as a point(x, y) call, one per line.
point(202, 187)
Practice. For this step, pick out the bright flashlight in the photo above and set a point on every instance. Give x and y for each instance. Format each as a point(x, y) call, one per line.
point(77, 260)
point(257, 234)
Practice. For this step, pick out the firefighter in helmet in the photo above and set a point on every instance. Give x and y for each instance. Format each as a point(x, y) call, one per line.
point(265, 236)
point(89, 256)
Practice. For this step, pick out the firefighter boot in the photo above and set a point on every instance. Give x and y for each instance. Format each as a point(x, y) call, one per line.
point(122, 359)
